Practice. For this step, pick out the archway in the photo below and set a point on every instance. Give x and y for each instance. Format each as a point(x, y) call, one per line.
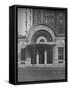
point(40, 28)
point(41, 35)
point(39, 39)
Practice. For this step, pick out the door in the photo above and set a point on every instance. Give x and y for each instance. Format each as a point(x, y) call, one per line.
point(49, 55)
point(45, 55)
point(41, 55)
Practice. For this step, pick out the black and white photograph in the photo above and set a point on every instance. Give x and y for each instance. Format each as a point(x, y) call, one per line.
point(41, 44)
point(34, 46)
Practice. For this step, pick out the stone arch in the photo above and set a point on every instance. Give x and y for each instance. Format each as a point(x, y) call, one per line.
point(41, 33)
point(34, 29)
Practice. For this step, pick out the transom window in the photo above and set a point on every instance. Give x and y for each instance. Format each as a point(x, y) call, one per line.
point(41, 39)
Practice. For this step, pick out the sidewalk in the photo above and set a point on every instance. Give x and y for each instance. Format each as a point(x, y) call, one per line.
point(40, 73)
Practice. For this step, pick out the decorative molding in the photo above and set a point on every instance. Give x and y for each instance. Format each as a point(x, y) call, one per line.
point(37, 28)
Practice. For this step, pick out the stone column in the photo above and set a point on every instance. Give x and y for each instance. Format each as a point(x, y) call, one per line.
point(37, 58)
point(55, 54)
point(45, 57)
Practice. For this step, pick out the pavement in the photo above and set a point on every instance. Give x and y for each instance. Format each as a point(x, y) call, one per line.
point(40, 73)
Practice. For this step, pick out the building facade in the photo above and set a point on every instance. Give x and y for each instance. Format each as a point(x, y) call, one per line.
point(41, 37)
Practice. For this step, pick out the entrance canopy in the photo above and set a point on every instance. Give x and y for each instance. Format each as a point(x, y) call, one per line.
point(40, 53)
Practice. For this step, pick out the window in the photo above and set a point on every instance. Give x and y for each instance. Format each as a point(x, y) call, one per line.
point(42, 40)
point(60, 53)
point(23, 54)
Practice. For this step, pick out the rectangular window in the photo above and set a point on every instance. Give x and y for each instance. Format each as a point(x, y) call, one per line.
point(23, 54)
point(60, 53)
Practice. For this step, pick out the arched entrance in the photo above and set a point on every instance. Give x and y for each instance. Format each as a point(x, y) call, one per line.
point(43, 50)
point(41, 46)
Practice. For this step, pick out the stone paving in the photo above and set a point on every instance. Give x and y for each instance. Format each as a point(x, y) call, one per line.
point(40, 73)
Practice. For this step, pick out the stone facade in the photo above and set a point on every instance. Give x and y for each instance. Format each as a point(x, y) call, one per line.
point(41, 37)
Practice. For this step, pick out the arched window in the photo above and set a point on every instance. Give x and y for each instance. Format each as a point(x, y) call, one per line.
point(42, 40)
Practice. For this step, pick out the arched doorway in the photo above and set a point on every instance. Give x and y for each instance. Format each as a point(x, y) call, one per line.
point(40, 45)
point(41, 48)
point(43, 54)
